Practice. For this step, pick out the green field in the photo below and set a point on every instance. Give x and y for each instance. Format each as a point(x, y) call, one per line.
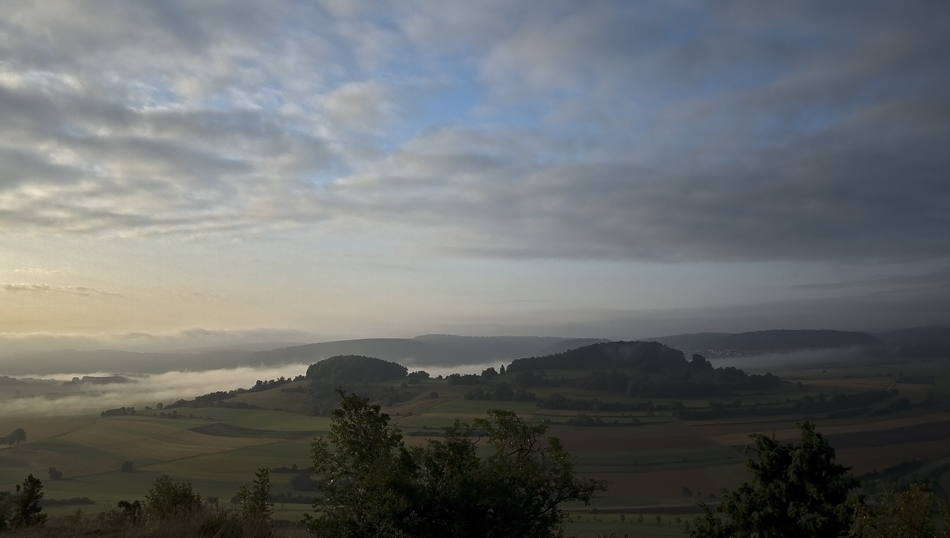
point(649, 465)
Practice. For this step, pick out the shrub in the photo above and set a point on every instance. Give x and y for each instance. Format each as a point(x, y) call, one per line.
point(168, 498)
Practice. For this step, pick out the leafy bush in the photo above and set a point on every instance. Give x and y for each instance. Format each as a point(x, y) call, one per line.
point(168, 498)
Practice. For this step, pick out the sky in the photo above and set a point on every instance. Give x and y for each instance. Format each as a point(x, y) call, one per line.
point(178, 174)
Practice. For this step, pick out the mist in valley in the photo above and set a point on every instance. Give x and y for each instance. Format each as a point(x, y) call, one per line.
point(149, 389)
point(140, 391)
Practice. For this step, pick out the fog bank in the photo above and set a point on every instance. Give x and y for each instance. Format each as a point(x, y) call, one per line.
point(144, 390)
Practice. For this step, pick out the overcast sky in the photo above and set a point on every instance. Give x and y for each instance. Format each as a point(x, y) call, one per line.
point(197, 172)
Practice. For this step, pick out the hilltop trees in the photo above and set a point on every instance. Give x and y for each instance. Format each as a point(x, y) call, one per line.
point(797, 490)
point(373, 485)
point(349, 369)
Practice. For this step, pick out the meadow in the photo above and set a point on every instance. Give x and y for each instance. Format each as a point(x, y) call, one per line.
point(658, 465)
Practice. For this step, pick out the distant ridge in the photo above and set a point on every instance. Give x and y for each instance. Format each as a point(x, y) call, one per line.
point(421, 351)
point(933, 341)
point(758, 342)
point(785, 339)
point(936, 335)
point(569, 344)
point(609, 355)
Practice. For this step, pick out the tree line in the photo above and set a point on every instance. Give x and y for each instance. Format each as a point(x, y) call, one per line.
point(170, 509)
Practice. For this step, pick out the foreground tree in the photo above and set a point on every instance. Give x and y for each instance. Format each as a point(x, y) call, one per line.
point(797, 490)
point(26, 507)
point(374, 486)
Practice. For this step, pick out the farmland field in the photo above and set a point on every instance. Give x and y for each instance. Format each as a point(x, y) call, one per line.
point(656, 463)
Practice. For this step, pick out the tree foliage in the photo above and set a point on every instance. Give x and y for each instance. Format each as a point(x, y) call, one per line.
point(167, 498)
point(373, 485)
point(27, 510)
point(350, 369)
point(797, 490)
point(904, 514)
point(253, 499)
point(6, 509)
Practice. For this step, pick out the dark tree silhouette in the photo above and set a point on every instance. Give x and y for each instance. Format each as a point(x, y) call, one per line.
point(27, 509)
point(373, 485)
point(797, 490)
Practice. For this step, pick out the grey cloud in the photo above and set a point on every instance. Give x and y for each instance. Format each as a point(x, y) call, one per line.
point(189, 339)
point(655, 131)
point(934, 283)
point(823, 197)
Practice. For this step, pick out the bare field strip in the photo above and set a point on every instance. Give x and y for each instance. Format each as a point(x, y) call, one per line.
point(661, 484)
point(827, 428)
point(631, 444)
point(44, 427)
point(239, 465)
point(220, 429)
point(148, 440)
point(868, 459)
point(643, 431)
point(914, 433)
point(36, 457)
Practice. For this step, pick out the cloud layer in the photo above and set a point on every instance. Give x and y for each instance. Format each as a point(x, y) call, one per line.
point(655, 131)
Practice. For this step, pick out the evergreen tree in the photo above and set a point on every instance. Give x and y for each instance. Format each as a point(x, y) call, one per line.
point(27, 504)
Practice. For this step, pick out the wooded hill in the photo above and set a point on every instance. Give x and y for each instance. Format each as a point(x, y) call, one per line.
point(758, 342)
point(647, 369)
